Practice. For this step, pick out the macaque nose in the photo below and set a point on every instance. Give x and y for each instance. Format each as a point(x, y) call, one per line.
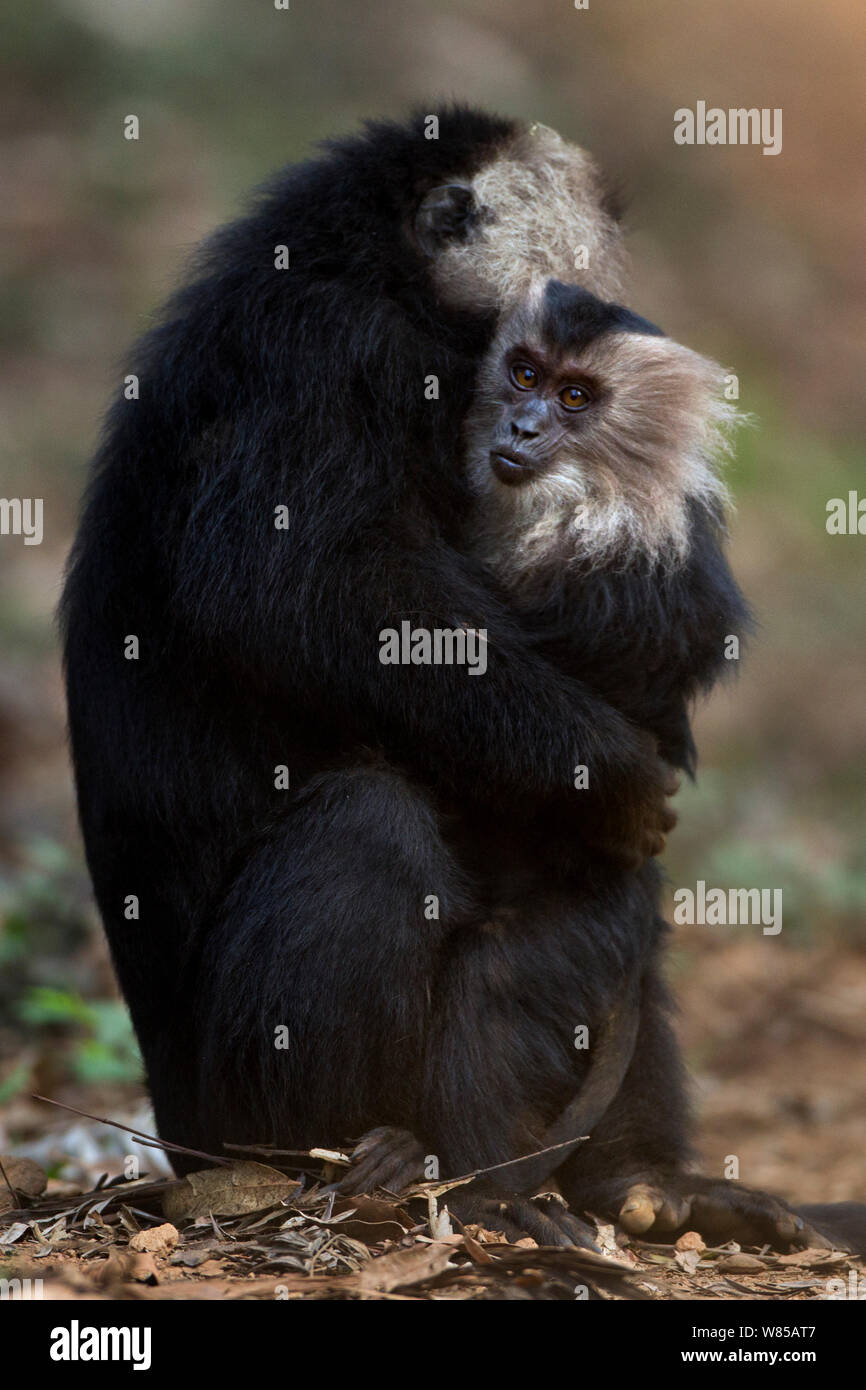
point(525, 427)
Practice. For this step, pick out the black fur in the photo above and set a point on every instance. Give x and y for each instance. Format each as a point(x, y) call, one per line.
point(650, 639)
point(259, 647)
point(572, 317)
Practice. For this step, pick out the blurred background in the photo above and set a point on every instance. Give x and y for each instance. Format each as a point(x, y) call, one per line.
point(757, 261)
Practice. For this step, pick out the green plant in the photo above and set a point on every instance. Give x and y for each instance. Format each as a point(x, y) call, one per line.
point(107, 1052)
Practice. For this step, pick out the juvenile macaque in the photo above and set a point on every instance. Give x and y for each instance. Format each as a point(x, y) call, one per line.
point(592, 448)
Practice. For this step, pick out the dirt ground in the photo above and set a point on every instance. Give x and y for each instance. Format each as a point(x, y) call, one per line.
point(276, 1237)
point(770, 1035)
point(776, 1039)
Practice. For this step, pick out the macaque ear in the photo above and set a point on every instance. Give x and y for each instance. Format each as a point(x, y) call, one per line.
point(446, 214)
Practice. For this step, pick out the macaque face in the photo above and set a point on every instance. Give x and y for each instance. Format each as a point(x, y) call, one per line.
point(551, 400)
point(543, 395)
point(589, 433)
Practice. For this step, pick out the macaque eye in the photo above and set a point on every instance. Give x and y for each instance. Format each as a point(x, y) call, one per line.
point(575, 397)
point(524, 376)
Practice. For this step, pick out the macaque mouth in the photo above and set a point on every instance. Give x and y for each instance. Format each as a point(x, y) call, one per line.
point(510, 467)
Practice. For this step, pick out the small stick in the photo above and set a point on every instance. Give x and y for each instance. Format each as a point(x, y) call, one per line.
point(148, 1140)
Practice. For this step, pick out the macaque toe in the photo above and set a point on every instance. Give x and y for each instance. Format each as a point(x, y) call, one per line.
point(718, 1209)
point(648, 1207)
point(384, 1157)
point(546, 1220)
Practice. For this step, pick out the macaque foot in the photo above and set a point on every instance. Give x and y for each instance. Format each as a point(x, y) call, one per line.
point(717, 1209)
point(393, 1158)
point(384, 1157)
point(547, 1220)
point(643, 820)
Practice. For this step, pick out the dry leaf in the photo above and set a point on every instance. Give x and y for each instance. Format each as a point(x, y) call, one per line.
point(814, 1258)
point(740, 1264)
point(605, 1238)
point(25, 1176)
point(14, 1232)
point(403, 1268)
point(477, 1252)
point(237, 1190)
point(687, 1260)
point(372, 1219)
